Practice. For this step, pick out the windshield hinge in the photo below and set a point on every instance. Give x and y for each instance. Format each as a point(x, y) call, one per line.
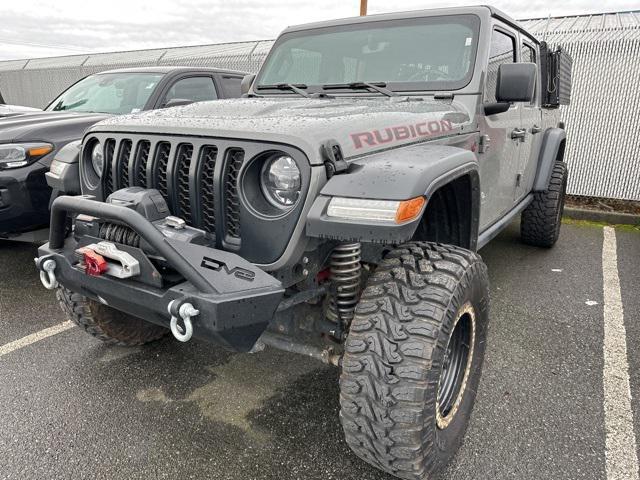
point(334, 161)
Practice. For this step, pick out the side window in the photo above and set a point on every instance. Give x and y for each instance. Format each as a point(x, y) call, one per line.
point(502, 50)
point(195, 89)
point(528, 55)
point(231, 86)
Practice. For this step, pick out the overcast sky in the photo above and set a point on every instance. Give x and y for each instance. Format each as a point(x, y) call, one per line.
point(43, 28)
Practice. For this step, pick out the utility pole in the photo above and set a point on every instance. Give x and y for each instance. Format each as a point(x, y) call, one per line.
point(363, 8)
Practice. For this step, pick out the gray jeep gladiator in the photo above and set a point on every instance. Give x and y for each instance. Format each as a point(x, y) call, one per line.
point(335, 211)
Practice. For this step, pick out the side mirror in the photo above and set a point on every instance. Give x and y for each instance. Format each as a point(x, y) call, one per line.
point(245, 86)
point(516, 82)
point(177, 102)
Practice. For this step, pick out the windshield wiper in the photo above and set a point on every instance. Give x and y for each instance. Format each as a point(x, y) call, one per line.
point(378, 87)
point(287, 86)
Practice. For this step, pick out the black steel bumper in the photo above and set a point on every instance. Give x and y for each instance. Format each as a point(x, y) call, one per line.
point(236, 299)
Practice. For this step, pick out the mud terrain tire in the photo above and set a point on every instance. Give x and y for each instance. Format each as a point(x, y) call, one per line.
point(105, 323)
point(541, 220)
point(397, 345)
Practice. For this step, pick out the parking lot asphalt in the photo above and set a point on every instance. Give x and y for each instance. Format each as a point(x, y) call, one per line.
point(71, 407)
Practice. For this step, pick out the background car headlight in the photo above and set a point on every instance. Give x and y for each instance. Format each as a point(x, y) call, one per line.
point(97, 158)
point(281, 181)
point(15, 155)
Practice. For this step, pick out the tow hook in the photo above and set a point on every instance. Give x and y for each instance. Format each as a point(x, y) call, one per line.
point(185, 311)
point(47, 273)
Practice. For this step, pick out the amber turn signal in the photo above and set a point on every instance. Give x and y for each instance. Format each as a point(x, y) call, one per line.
point(39, 151)
point(409, 209)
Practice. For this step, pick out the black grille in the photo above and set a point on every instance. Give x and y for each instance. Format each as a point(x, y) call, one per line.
point(206, 187)
point(140, 163)
point(160, 168)
point(183, 162)
point(109, 149)
point(124, 153)
point(235, 157)
point(189, 176)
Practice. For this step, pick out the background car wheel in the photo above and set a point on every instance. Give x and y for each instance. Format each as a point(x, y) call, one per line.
point(413, 358)
point(105, 323)
point(541, 220)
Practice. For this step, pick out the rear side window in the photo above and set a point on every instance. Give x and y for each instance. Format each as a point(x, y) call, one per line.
point(502, 50)
point(195, 89)
point(231, 86)
point(528, 54)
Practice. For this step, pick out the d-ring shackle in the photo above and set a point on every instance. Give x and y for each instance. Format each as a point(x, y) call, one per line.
point(186, 311)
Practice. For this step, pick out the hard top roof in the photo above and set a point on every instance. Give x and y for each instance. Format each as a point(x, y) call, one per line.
point(475, 9)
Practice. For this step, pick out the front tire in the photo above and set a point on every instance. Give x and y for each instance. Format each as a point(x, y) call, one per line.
point(400, 409)
point(541, 220)
point(105, 323)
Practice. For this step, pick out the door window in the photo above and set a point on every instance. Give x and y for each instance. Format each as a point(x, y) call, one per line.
point(528, 55)
point(502, 50)
point(194, 89)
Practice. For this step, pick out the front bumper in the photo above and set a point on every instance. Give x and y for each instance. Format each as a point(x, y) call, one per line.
point(236, 299)
point(24, 199)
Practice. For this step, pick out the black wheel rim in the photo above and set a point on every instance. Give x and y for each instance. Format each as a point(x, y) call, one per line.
point(455, 367)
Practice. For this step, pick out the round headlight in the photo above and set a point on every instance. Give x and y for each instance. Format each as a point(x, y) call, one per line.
point(97, 158)
point(281, 181)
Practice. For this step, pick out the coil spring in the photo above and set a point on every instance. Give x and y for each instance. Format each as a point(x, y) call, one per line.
point(345, 269)
point(122, 234)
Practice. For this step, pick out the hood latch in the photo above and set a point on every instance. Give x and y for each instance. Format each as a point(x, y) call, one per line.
point(334, 161)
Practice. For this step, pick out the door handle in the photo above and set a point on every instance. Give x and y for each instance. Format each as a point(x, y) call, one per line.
point(535, 129)
point(518, 133)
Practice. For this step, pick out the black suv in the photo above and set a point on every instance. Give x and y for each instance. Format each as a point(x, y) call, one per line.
point(29, 142)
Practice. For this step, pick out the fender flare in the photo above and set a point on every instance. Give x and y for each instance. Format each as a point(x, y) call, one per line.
point(553, 141)
point(398, 174)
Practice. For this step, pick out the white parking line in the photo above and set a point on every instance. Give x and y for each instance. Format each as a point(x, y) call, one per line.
point(35, 337)
point(620, 442)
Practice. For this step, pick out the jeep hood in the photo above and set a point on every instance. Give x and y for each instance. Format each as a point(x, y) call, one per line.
point(54, 127)
point(359, 125)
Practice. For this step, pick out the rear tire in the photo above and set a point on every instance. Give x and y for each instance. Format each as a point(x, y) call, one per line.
point(400, 409)
point(541, 220)
point(105, 323)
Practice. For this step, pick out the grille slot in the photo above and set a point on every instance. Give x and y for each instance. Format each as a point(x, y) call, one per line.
point(160, 170)
point(234, 160)
point(183, 162)
point(124, 153)
point(140, 163)
point(109, 150)
point(206, 187)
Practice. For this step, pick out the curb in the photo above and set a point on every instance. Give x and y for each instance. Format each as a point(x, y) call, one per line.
point(614, 218)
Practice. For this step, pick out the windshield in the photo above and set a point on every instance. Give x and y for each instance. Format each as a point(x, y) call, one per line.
point(116, 93)
point(431, 53)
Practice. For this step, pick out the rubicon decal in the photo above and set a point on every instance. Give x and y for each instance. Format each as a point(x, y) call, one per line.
point(400, 133)
point(238, 272)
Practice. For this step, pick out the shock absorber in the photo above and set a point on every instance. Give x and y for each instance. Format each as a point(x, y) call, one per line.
point(345, 268)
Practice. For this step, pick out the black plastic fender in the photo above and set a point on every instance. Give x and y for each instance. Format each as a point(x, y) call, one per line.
point(64, 174)
point(399, 174)
point(551, 143)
